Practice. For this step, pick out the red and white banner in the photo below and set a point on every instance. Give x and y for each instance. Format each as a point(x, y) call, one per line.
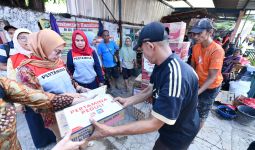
point(72, 24)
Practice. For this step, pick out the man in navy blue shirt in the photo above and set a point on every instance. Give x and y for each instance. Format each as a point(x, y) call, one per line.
point(174, 87)
point(5, 49)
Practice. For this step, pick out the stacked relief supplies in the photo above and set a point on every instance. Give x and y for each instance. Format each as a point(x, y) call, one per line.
point(142, 110)
point(176, 37)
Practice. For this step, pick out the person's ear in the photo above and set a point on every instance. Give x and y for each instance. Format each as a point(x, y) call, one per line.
point(211, 32)
point(150, 45)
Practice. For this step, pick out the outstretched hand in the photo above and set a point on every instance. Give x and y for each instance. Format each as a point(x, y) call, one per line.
point(122, 101)
point(100, 130)
point(67, 144)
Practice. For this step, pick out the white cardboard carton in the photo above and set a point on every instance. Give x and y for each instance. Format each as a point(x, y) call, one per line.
point(60, 116)
point(76, 118)
point(95, 92)
point(177, 31)
point(181, 49)
point(147, 69)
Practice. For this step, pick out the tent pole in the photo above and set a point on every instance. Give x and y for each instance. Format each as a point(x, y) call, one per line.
point(120, 22)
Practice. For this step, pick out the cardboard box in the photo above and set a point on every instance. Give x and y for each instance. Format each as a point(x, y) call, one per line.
point(181, 49)
point(138, 81)
point(147, 69)
point(141, 111)
point(60, 116)
point(95, 92)
point(176, 31)
point(138, 78)
point(76, 118)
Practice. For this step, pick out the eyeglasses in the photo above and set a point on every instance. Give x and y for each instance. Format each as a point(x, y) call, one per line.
point(22, 38)
point(105, 35)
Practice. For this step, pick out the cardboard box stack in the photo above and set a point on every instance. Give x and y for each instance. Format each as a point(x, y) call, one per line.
point(147, 69)
point(176, 37)
point(176, 31)
point(181, 49)
point(142, 110)
point(76, 118)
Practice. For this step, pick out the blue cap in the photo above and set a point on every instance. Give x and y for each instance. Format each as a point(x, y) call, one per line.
point(201, 25)
point(152, 32)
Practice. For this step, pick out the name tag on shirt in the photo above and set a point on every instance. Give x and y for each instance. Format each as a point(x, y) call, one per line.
point(52, 73)
point(82, 58)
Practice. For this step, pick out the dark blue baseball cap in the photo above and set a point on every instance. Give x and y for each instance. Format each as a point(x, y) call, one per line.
point(152, 32)
point(201, 25)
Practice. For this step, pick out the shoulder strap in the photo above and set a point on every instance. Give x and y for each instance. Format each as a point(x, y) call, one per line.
point(109, 49)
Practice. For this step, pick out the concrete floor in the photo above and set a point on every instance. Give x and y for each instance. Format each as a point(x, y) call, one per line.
point(217, 134)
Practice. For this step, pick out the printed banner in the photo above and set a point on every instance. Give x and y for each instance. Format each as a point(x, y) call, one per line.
point(66, 29)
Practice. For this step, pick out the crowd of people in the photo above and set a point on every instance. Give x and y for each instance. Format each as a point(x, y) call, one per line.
point(34, 60)
point(39, 80)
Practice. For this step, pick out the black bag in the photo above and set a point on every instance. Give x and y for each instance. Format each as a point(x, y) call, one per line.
point(115, 56)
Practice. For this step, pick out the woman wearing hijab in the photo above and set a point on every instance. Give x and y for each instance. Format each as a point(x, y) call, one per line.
point(41, 136)
point(45, 70)
point(13, 92)
point(22, 52)
point(127, 60)
point(83, 63)
point(21, 47)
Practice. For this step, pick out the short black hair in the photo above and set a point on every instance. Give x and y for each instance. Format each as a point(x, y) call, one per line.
point(105, 31)
point(238, 50)
point(8, 27)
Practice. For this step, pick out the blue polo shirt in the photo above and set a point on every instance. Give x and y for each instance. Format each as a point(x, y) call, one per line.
point(175, 94)
point(3, 54)
point(106, 51)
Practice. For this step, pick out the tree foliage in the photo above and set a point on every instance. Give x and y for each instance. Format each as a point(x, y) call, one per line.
point(226, 25)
